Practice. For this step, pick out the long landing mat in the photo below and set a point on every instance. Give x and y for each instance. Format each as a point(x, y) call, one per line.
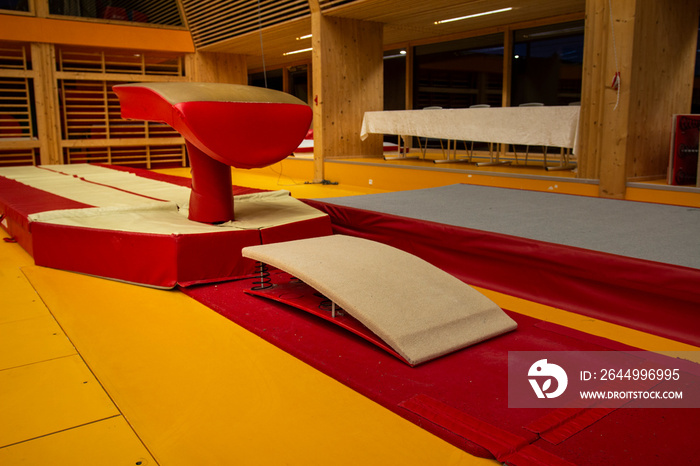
point(463, 397)
point(657, 298)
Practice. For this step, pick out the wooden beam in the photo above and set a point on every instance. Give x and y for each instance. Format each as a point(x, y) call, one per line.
point(317, 58)
point(314, 6)
point(46, 96)
point(41, 7)
point(81, 33)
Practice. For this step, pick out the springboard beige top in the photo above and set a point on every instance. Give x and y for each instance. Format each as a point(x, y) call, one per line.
point(176, 93)
point(416, 308)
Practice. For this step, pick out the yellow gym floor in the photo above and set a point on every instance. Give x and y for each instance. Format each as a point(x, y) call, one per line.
point(99, 372)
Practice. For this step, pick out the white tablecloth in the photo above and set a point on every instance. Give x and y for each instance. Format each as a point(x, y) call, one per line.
point(535, 126)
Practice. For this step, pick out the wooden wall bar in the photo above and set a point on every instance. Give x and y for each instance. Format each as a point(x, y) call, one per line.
point(19, 143)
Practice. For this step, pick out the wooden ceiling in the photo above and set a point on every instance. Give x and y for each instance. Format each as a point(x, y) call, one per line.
point(237, 26)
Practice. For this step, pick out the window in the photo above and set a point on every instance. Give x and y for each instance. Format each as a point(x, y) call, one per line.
point(14, 5)
point(460, 73)
point(395, 79)
point(548, 64)
point(271, 79)
point(695, 106)
point(163, 12)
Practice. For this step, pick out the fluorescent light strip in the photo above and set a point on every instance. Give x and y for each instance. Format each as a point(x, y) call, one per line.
point(298, 51)
point(474, 15)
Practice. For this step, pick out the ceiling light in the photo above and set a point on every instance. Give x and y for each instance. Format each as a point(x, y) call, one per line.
point(474, 15)
point(308, 36)
point(298, 51)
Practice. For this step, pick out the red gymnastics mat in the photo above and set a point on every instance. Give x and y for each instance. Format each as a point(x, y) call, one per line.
point(463, 397)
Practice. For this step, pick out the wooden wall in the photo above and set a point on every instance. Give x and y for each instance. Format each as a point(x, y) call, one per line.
point(214, 67)
point(347, 82)
point(625, 136)
point(662, 80)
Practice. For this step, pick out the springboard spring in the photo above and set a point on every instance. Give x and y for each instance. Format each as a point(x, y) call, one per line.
point(263, 276)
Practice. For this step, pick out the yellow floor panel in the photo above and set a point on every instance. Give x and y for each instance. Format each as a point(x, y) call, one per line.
point(627, 336)
point(48, 397)
point(271, 178)
point(32, 340)
point(19, 300)
point(198, 389)
point(109, 442)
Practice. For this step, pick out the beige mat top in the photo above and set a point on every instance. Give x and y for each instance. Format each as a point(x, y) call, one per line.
point(127, 202)
point(419, 310)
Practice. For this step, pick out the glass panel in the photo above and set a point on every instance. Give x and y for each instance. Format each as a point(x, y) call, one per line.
point(14, 5)
point(163, 12)
point(548, 64)
point(272, 79)
point(395, 79)
point(460, 73)
point(299, 82)
point(695, 107)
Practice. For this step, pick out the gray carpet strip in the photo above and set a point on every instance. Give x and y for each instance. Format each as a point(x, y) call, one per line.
point(655, 232)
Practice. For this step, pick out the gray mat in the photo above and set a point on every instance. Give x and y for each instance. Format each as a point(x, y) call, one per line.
point(661, 233)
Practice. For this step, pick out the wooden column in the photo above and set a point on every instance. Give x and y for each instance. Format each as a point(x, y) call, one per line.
point(625, 135)
point(211, 67)
point(347, 82)
point(46, 97)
